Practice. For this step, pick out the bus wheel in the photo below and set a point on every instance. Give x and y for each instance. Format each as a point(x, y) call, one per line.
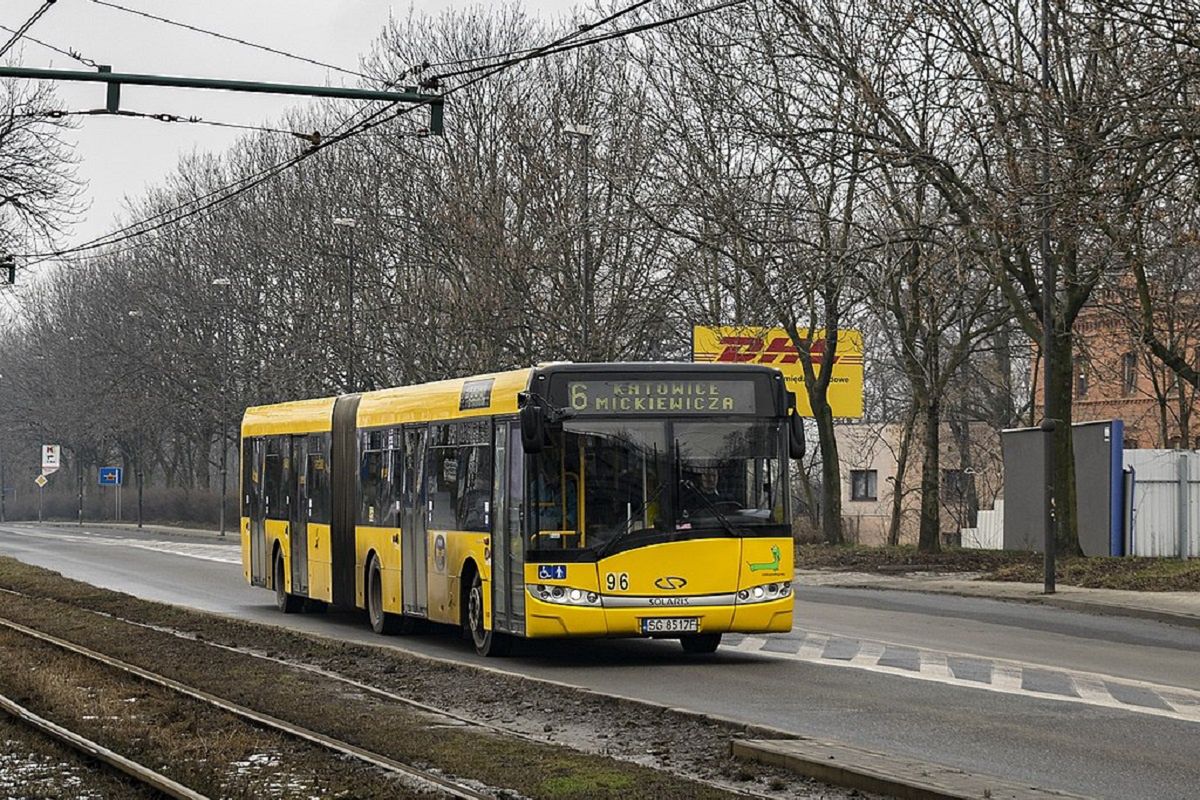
point(701, 643)
point(487, 643)
point(381, 621)
point(287, 603)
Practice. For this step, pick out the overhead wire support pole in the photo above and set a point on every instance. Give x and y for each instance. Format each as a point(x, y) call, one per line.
point(1049, 291)
point(116, 79)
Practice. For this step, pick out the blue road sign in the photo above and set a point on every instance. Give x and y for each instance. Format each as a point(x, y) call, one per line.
point(110, 476)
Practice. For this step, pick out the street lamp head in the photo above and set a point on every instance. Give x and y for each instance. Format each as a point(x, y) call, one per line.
point(577, 129)
point(222, 282)
point(345, 222)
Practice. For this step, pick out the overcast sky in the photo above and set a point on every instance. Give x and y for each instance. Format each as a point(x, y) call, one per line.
point(120, 157)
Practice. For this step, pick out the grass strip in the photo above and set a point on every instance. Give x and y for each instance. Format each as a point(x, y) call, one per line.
point(531, 769)
point(208, 750)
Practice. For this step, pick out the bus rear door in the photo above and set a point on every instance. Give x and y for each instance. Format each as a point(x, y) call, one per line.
point(413, 565)
point(298, 516)
point(255, 508)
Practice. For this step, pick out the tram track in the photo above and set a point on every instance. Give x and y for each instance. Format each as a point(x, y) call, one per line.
point(140, 773)
point(159, 782)
point(703, 766)
point(463, 719)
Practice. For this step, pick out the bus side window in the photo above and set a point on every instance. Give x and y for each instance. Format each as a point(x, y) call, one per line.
point(250, 477)
point(375, 479)
point(275, 478)
point(317, 480)
point(442, 477)
point(474, 506)
point(393, 465)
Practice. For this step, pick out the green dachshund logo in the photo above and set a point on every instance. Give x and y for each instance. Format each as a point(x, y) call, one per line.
point(767, 566)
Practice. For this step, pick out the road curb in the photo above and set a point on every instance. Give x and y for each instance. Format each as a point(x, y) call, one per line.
point(855, 768)
point(1070, 604)
point(152, 528)
point(1105, 609)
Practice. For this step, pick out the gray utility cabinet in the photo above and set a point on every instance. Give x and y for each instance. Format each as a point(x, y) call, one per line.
point(1099, 487)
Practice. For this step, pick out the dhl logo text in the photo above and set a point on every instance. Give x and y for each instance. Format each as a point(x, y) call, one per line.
point(777, 350)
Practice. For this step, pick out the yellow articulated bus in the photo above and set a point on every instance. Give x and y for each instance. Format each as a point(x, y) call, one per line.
point(583, 500)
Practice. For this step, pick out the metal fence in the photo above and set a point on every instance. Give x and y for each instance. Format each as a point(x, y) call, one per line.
point(1166, 503)
point(988, 534)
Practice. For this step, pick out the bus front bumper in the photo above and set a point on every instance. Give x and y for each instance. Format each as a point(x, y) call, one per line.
point(549, 620)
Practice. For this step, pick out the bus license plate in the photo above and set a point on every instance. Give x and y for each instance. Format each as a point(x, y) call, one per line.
point(671, 625)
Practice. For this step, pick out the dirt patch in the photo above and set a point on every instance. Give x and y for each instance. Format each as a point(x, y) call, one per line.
point(680, 747)
point(1135, 574)
point(892, 560)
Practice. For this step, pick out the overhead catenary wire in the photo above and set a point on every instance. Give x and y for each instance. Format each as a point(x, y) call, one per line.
point(239, 187)
point(234, 39)
point(74, 54)
point(642, 28)
point(312, 138)
point(16, 37)
point(511, 54)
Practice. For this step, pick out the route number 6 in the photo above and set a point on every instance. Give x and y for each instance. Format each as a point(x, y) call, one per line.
point(617, 580)
point(579, 398)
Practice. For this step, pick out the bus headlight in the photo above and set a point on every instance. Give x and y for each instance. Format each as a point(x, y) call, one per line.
point(564, 595)
point(764, 593)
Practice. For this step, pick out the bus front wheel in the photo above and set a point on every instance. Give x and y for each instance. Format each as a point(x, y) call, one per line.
point(487, 643)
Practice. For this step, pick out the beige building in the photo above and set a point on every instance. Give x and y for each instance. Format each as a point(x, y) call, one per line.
point(869, 453)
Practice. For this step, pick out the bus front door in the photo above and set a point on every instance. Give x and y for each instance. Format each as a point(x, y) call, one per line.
point(414, 569)
point(298, 516)
point(508, 552)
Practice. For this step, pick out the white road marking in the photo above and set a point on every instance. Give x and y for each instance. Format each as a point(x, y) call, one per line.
point(1187, 706)
point(868, 654)
point(229, 553)
point(751, 643)
point(934, 665)
point(813, 648)
point(1007, 676)
point(1092, 689)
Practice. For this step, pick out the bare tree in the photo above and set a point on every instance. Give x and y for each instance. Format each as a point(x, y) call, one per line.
point(38, 188)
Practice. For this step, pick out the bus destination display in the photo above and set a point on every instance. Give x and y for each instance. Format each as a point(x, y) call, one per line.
point(661, 397)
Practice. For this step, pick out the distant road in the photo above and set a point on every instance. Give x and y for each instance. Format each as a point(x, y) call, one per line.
point(1100, 706)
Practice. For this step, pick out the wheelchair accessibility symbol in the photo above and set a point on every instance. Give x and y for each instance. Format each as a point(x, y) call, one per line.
point(552, 572)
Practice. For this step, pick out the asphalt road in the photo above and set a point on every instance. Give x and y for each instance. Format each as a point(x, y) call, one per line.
point(1099, 706)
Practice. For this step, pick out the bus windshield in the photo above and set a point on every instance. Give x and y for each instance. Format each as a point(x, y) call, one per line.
point(600, 481)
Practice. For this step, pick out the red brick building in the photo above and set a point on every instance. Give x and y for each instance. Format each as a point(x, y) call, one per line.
point(1117, 377)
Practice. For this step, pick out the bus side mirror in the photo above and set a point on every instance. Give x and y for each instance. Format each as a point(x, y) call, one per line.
point(796, 440)
point(533, 427)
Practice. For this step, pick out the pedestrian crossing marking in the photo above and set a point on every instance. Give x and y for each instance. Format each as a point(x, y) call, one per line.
point(1006, 676)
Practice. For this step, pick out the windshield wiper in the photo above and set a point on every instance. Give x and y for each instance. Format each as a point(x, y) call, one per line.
point(725, 523)
point(604, 549)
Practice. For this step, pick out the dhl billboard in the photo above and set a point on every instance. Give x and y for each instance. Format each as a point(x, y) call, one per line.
point(773, 347)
